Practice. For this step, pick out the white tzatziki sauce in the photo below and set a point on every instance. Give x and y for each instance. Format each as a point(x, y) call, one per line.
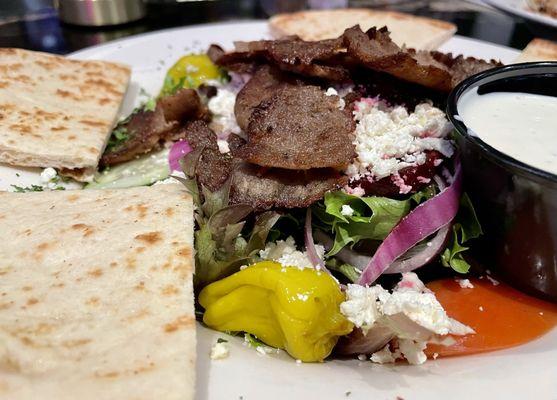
point(521, 125)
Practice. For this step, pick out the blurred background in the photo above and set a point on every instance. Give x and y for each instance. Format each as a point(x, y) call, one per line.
point(58, 25)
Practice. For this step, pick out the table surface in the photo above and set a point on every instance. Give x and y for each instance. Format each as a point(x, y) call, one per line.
point(34, 24)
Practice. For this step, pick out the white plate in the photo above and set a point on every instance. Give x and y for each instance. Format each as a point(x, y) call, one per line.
point(520, 8)
point(529, 370)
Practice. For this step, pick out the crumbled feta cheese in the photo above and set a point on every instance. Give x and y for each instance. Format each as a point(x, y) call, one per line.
point(384, 356)
point(346, 210)
point(435, 355)
point(389, 138)
point(413, 351)
point(219, 351)
point(222, 108)
point(298, 362)
point(48, 174)
point(411, 313)
point(49, 177)
point(363, 305)
point(223, 146)
point(285, 253)
point(465, 283)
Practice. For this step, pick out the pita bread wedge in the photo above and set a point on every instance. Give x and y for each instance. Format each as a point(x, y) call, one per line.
point(414, 32)
point(538, 50)
point(96, 295)
point(57, 112)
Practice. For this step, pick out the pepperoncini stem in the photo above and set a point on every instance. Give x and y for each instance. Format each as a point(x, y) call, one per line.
point(297, 310)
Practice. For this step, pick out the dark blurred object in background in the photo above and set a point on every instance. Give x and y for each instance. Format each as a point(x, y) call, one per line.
point(34, 24)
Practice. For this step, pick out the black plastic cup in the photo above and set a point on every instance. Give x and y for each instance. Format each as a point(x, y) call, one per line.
point(516, 203)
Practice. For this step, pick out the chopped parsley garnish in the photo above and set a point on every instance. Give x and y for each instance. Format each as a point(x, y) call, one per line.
point(32, 188)
point(221, 340)
point(253, 341)
point(119, 135)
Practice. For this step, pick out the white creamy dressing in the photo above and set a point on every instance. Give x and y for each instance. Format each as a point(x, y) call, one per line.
point(521, 125)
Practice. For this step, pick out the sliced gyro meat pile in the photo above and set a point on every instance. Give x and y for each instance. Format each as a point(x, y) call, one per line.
point(334, 60)
point(148, 128)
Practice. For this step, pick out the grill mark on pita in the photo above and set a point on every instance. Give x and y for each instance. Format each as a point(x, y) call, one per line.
point(107, 86)
point(4, 85)
point(58, 128)
point(184, 252)
point(47, 116)
point(150, 238)
point(92, 123)
point(47, 65)
point(22, 128)
point(113, 264)
point(32, 301)
point(87, 229)
point(114, 374)
point(75, 342)
point(140, 286)
point(25, 79)
point(58, 285)
point(43, 246)
point(72, 197)
point(169, 212)
point(131, 262)
point(170, 290)
point(67, 94)
point(27, 288)
point(183, 321)
point(96, 273)
point(4, 271)
point(5, 306)
point(104, 101)
point(93, 301)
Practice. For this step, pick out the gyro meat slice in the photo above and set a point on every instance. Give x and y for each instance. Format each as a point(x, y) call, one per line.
point(300, 127)
point(139, 135)
point(260, 87)
point(377, 51)
point(463, 67)
point(213, 167)
point(264, 188)
point(312, 59)
point(183, 105)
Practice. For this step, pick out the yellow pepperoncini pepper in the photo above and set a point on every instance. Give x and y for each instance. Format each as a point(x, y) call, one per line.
point(288, 308)
point(189, 72)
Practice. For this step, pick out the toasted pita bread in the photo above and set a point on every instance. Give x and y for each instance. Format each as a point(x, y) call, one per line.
point(415, 32)
point(57, 112)
point(538, 50)
point(97, 297)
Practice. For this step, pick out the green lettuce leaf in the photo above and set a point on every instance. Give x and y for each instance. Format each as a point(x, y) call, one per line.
point(373, 217)
point(465, 227)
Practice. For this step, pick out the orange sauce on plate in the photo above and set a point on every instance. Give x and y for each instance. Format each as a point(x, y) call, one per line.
point(502, 316)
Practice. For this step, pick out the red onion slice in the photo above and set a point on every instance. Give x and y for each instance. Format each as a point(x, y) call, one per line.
point(433, 247)
point(424, 220)
point(310, 245)
point(177, 151)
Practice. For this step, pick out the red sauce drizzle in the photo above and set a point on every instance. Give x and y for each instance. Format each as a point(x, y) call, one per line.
point(502, 316)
